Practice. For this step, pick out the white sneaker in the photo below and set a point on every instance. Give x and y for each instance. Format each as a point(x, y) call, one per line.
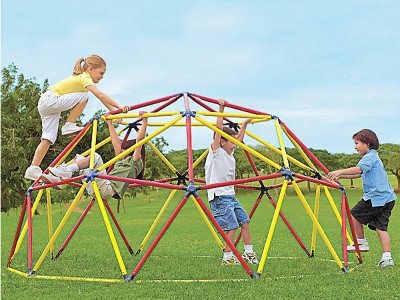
point(364, 247)
point(250, 257)
point(230, 261)
point(387, 262)
point(61, 171)
point(70, 128)
point(33, 172)
point(49, 178)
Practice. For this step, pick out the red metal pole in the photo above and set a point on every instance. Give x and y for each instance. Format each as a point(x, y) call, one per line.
point(74, 229)
point(128, 246)
point(158, 237)
point(30, 235)
point(17, 232)
point(189, 139)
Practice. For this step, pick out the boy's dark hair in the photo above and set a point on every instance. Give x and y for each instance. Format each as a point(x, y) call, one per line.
point(229, 131)
point(129, 143)
point(368, 137)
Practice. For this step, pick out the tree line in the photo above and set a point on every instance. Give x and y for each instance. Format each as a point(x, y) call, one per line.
point(21, 131)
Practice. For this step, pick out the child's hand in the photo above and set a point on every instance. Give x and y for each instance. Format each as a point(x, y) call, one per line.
point(247, 121)
point(222, 103)
point(333, 176)
point(124, 109)
point(141, 113)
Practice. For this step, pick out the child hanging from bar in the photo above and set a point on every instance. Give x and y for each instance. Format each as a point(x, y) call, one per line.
point(131, 166)
point(227, 210)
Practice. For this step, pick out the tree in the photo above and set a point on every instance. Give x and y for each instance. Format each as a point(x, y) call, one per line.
point(20, 133)
point(390, 155)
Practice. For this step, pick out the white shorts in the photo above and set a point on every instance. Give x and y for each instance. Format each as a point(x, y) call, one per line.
point(50, 107)
point(106, 191)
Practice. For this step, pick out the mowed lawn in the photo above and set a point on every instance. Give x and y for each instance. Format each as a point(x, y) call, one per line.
point(186, 263)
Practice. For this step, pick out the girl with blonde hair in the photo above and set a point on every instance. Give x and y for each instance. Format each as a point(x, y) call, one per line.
point(71, 94)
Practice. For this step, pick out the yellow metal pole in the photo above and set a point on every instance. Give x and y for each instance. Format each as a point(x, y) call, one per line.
point(236, 142)
point(315, 221)
point(303, 155)
point(25, 228)
point(316, 210)
point(281, 143)
point(278, 151)
point(49, 219)
point(336, 212)
point(156, 221)
point(272, 227)
point(201, 157)
point(162, 157)
point(109, 229)
point(141, 142)
point(93, 144)
point(60, 226)
point(207, 221)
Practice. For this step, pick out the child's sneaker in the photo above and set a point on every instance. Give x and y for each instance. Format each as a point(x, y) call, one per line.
point(387, 262)
point(49, 178)
point(230, 261)
point(70, 129)
point(61, 171)
point(250, 257)
point(364, 247)
point(33, 172)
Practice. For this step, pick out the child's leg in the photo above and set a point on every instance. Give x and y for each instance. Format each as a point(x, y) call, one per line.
point(385, 240)
point(231, 236)
point(359, 228)
point(40, 152)
point(76, 111)
point(246, 233)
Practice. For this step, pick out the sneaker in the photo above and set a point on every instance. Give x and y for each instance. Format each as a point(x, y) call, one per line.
point(70, 129)
point(387, 262)
point(61, 171)
point(364, 247)
point(33, 172)
point(250, 257)
point(49, 178)
point(230, 261)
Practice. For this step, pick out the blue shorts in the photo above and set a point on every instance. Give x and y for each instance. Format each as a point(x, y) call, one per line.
point(228, 212)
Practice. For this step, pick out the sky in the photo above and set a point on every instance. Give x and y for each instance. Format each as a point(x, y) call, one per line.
point(327, 69)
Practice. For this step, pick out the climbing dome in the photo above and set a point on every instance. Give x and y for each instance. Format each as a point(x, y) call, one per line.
point(194, 112)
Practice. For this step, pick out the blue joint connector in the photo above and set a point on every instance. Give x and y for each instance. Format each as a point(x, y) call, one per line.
point(188, 113)
point(92, 175)
point(287, 174)
point(94, 118)
point(342, 188)
point(191, 189)
point(29, 190)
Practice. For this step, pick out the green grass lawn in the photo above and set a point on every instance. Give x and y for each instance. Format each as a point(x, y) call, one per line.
point(186, 263)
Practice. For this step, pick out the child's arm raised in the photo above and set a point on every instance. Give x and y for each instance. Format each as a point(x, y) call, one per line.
point(242, 130)
point(114, 137)
point(220, 123)
point(140, 135)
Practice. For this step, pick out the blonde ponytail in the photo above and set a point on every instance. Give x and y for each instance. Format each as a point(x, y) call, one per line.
point(93, 61)
point(78, 69)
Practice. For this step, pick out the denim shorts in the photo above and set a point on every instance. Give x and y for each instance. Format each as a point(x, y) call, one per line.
point(228, 212)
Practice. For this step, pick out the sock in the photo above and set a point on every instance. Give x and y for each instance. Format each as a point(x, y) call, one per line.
point(228, 255)
point(386, 255)
point(248, 248)
point(362, 241)
point(73, 168)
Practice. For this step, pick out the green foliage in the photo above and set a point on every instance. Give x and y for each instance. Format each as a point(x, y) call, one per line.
point(390, 155)
point(185, 264)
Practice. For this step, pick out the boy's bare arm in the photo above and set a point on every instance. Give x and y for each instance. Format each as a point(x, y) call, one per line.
point(114, 137)
point(220, 122)
point(243, 130)
point(140, 135)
